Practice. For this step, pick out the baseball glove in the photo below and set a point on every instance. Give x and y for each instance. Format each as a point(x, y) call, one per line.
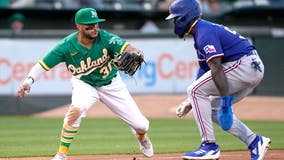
point(129, 62)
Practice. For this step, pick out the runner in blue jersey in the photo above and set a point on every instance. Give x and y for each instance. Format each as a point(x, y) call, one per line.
point(230, 69)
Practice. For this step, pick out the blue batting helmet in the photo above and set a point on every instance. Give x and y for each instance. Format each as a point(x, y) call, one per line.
point(183, 11)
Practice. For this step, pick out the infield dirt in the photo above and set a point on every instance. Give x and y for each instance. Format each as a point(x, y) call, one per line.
point(163, 106)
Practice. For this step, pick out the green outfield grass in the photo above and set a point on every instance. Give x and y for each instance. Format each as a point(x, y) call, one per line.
point(27, 136)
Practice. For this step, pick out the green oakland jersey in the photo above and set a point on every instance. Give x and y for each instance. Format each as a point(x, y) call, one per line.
point(92, 65)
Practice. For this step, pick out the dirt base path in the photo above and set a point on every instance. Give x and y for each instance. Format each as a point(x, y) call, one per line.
point(163, 106)
point(242, 155)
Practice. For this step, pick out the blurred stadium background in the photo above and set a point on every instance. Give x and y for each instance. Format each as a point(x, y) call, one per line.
point(171, 62)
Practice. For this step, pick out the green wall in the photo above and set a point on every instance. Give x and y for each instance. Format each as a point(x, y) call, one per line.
point(271, 51)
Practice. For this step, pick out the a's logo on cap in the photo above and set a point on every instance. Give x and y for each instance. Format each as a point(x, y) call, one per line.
point(94, 14)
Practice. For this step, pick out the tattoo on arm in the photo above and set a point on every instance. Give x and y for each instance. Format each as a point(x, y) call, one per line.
point(218, 76)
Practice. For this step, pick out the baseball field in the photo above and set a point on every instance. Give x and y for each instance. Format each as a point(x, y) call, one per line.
point(103, 136)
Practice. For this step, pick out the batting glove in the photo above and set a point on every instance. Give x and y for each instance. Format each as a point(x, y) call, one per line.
point(183, 108)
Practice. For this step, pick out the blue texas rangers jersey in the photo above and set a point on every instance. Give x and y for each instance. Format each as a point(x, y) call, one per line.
point(213, 40)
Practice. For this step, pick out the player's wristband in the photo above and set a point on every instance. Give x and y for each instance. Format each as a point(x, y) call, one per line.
point(29, 80)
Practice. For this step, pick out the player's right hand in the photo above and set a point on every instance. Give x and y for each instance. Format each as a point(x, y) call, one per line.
point(22, 90)
point(183, 108)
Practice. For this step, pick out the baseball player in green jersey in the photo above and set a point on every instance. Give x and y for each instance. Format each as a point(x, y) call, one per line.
point(88, 54)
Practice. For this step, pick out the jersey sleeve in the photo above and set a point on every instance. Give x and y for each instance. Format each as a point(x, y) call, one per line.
point(116, 44)
point(52, 58)
point(210, 45)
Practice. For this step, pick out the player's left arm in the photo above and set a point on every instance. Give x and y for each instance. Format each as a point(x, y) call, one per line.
point(129, 61)
point(224, 114)
point(212, 50)
point(218, 75)
point(130, 48)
